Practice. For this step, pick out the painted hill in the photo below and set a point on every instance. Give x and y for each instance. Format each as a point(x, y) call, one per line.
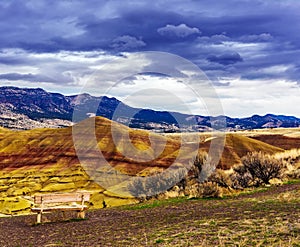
point(237, 146)
point(278, 140)
point(48, 146)
point(45, 160)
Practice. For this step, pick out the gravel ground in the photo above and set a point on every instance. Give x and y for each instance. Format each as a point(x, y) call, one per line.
point(268, 218)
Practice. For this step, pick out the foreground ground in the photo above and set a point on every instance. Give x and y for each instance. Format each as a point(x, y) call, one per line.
point(266, 218)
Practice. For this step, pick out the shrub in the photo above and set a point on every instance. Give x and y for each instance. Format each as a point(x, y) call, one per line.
point(221, 178)
point(291, 156)
point(137, 188)
point(291, 159)
point(202, 167)
point(293, 172)
point(147, 187)
point(210, 190)
point(262, 167)
point(197, 165)
point(241, 178)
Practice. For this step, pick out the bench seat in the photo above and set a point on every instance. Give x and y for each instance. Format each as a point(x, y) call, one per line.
point(61, 202)
point(62, 208)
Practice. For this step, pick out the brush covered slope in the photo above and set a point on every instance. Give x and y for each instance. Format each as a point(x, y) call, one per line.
point(236, 146)
point(45, 160)
point(233, 146)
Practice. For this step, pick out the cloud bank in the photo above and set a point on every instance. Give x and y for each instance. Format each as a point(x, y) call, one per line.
point(59, 44)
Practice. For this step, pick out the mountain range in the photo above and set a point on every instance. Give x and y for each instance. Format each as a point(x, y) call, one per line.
point(27, 108)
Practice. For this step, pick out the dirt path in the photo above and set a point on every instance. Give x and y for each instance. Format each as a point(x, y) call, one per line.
point(269, 218)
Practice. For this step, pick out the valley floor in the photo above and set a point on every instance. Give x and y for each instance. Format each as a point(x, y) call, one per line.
point(269, 217)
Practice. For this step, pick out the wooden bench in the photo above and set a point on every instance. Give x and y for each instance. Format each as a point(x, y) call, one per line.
point(61, 202)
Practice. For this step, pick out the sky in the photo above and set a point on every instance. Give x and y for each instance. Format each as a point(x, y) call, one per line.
point(144, 52)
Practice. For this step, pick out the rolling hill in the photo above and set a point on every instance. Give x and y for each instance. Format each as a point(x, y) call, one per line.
point(281, 141)
point(237, 146)
point(45, 160)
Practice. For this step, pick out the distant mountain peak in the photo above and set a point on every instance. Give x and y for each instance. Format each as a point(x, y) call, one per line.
point(26, 108)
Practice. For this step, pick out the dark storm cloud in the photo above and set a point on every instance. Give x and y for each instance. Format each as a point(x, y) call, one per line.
point(26, 77)
point(9, 60)
point(126, 42)
point(209, 33)
point(226, 58)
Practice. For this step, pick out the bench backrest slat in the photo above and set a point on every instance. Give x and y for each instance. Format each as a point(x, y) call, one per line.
point(63, 197)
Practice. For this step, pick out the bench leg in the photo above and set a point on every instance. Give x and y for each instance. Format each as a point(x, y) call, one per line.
point(64, 215)
point(39, 217)
point(80, 214)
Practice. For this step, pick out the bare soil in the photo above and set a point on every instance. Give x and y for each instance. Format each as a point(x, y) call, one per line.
point(267, 218)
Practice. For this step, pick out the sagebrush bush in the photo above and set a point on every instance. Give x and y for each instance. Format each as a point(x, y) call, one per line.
point(147, 187)
point(220, 178)
point(262, 167)
point(200, 181)
point(137, 188)
point(293, 172)
point(202, 167)
point(197, 166)
point(291, 156)
point(241, 178)
point(291, 160)
point(209, 190)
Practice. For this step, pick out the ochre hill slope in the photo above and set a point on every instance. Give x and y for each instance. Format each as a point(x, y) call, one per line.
point(285, 138)
point(237, 146)
point(51, 146)
point(282, 141)
point(45, 160)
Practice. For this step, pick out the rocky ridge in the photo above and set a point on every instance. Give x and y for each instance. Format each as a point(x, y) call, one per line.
point(27, 108)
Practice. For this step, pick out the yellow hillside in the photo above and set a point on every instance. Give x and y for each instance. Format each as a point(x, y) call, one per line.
point(45, 160)
point(237, 146)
